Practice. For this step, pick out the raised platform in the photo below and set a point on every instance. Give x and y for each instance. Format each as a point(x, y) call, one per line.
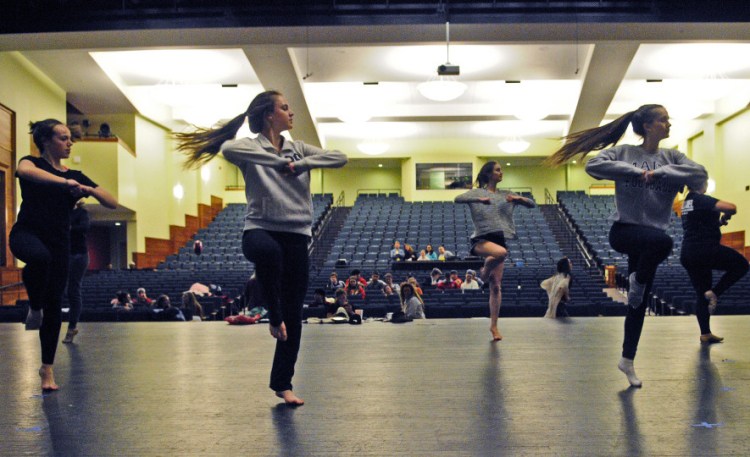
point(429, 388)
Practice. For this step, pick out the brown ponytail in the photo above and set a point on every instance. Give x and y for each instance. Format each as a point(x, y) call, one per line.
point(594, 139)
point(203, 144)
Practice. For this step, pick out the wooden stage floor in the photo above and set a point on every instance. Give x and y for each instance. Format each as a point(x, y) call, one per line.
point(430, 388)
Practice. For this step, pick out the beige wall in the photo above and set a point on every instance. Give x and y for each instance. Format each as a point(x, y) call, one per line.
point(352, 180)
point(30, 94)
point(732, 172)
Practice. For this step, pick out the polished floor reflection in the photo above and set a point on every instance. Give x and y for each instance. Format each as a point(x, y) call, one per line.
point(431, 388)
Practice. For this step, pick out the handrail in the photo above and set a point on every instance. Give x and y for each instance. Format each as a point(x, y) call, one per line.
point(548, 199)
point(8, 286)
point(587, 257)
point(340, 200)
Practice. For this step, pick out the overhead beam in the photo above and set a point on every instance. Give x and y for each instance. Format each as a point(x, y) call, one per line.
point(603, 74)
point(275, 69)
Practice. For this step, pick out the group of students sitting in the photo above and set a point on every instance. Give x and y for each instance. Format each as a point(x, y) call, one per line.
point(336, 294)
point(408, 253)
point(189, 309)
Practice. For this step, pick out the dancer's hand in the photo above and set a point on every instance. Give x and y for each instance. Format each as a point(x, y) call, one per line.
point(278, 332)
point(484, 200)
point(648, 176)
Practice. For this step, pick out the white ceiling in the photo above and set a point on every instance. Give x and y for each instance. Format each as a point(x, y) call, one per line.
point(573, 82)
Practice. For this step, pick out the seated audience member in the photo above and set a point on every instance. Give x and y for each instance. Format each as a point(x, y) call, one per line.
point(409, 254)
point(358, 275)
point(389, 282)
point(411, 303)
point(431, 255)
point(422, 256)
point(122, 301)
point(451, 282)
point(141, 299)
point(413, 281)
point(397, 254)
point(388, 291)
point(471, 282)
point(435, 277)
point(375, 283)
point(167, 311)
point(199, 289)
point(355, 288)
point(444, 255)
point(340, 303)
point(334, 283)
point(320, 299)
point(191, 306)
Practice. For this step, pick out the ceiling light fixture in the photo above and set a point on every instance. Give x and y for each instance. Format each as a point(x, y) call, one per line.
point(444, 87)
point(514, 145)
point(372, 148)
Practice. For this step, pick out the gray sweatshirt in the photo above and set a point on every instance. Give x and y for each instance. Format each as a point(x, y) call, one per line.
point(493, 217)
point(639, 203)
point(276, 201)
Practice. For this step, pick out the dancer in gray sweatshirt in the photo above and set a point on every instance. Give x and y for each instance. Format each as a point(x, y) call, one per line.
point(279, 214)
point(647, 179)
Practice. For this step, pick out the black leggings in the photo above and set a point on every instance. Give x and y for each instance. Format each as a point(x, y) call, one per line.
point(45, 276)
point(78, 265)
point(699, 259)
point(646, 248)
point(282, 269)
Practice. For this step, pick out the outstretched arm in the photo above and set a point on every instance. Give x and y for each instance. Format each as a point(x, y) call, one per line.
point(104, 197)
point(523, 201)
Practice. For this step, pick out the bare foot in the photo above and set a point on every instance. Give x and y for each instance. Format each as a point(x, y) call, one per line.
point(496, 336)
point(48, 378)
point(289, 398)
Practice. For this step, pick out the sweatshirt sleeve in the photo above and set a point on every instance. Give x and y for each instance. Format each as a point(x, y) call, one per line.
point(606, 165)
point(314, 157)
point(682, 171)
point(471, 196)
point(246, 151)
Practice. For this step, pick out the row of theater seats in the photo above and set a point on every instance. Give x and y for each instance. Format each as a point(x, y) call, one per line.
point(222, 240)
point(672, 291)
point(375, 223)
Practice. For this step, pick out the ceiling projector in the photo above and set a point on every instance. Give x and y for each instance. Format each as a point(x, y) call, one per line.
point(448, 70)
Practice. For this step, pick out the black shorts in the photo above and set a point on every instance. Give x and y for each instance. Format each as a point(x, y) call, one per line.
point(494, 237)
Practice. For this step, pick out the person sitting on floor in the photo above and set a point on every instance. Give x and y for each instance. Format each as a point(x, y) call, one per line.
point(141, 300)
point(341, 303)
point(320, 299)
point(122, 301)
point(411, 304)
point(191, 306)
point(166, 310)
